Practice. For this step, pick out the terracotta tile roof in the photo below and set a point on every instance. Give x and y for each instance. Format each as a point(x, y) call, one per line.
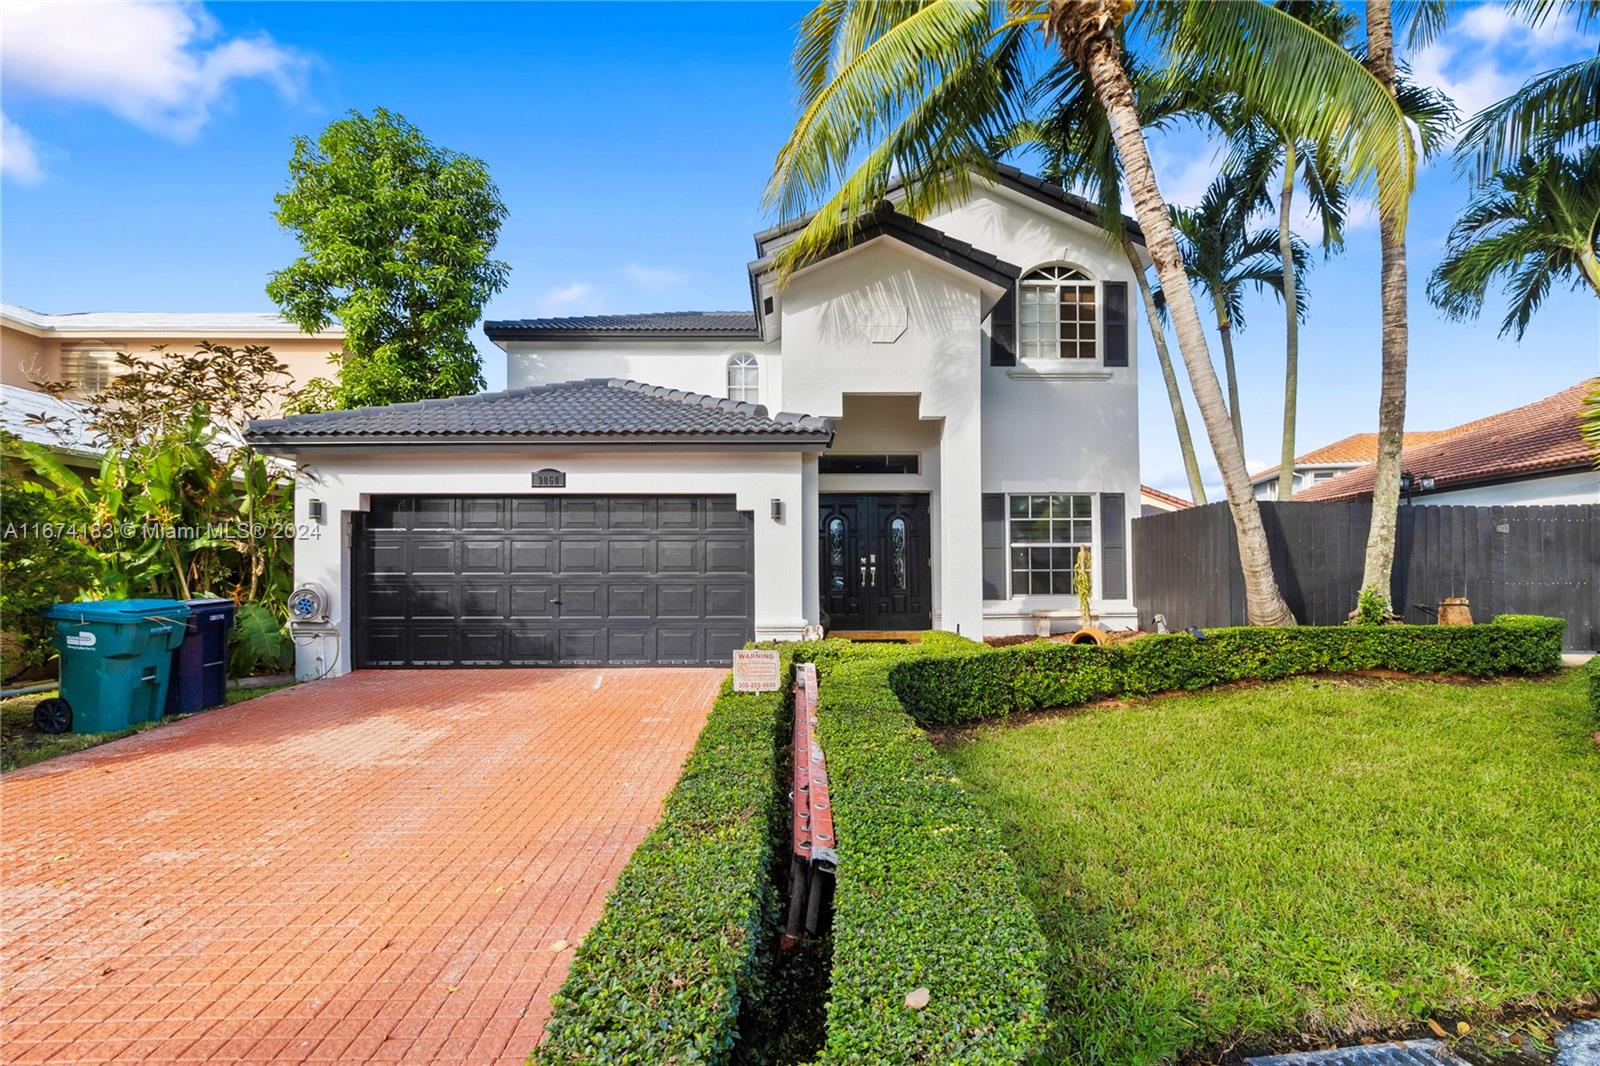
point(1177, 502)
point(1540, 438)
point(1356, 448)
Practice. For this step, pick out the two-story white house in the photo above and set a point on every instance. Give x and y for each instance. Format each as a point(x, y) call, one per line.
point(920, 429)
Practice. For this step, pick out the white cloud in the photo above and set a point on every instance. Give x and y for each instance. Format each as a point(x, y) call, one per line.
point(1478, 85)
point(653, 277)
point(164, 67)
point(19, 155)
point(574, 297)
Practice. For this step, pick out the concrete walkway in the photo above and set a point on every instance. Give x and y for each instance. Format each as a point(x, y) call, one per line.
point(381, 867)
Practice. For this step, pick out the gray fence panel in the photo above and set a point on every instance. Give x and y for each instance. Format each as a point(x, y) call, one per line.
point(1525, 560)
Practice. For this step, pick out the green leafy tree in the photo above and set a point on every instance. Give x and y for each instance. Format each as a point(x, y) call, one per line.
point(1533, 226)
point(397, 236)
point(919, 92)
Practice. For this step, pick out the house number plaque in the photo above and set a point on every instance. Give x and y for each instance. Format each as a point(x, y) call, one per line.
point(549, 478)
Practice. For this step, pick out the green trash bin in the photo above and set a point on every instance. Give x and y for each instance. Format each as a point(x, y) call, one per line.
point(116, 660)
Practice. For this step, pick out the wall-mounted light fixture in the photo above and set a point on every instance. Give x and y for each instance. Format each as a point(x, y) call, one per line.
point(777, 509)
point(1410, 483)
point(319, 511)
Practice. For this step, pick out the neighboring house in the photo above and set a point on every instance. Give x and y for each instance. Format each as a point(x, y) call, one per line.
point(1328, 462)
point(82, 348)
point(58, 424)
point(1154, 501)
point(1530, 455)
point(969, 389)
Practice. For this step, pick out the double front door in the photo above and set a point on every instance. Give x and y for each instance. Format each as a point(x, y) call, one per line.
point(874, 560)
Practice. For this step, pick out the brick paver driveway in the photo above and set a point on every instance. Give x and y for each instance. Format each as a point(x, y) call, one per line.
point(378, 867)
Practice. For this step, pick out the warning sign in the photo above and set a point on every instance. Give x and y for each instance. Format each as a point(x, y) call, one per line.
point(755, 671)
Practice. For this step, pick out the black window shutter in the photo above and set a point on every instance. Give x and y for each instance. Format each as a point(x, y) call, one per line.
point(1003, 331)
point(994, 546)
point(1116, 300)
point(1113, 546)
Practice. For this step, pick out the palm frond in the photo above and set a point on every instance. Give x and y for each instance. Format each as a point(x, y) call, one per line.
point(1552, 112)
point(1280, 67)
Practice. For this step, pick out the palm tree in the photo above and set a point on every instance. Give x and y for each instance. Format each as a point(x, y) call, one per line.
point(1076, 143)
point(918, 91)
point(1223, 253)
point(1271, 143)
point(1534, 225)
point(1378, 562)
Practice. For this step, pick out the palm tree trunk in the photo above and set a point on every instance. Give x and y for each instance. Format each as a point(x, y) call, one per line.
point(1180, 416)
point(1225, 331)
point(1379, 565)
point(1291, 325)
point(1590, 264)
point(1099, 53)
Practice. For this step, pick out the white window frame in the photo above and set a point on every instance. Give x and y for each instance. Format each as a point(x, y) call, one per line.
point(1039, 305)
point(743, 377)
point(1012, 544)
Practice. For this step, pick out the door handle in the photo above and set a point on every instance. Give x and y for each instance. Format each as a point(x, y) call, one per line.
point(872, 567)
point(555, 603)
point(863, 570)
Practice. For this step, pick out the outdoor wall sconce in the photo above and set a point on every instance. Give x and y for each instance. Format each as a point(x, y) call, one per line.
point(319, 511)
point(1410, 483)
point(777, 509)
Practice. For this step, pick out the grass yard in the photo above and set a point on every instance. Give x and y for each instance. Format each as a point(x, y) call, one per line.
point(1255, 867)
point(22, 745)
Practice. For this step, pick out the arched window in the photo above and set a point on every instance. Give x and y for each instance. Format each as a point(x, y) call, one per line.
point(744, 378)
point(1057, 318)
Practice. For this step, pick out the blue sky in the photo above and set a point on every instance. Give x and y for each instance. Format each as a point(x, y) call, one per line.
point(142, 148)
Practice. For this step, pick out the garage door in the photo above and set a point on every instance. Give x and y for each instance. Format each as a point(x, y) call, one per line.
point(552, 580)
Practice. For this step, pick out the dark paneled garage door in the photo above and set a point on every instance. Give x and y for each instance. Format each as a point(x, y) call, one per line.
point(552, 580)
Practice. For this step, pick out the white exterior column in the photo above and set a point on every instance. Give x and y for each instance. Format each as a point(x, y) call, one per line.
point(959, 607)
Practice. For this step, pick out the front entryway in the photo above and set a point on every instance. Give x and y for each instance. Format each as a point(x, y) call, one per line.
point(875, 561)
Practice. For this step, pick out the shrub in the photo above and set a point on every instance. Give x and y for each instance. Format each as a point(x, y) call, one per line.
point(942, 689)
point(926, 895)
point(1592, 669)
point(684, 937)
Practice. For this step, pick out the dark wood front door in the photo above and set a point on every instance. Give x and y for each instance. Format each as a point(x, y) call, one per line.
point(875, 561)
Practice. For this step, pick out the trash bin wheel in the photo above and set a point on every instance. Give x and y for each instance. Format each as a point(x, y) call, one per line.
point(53, 715)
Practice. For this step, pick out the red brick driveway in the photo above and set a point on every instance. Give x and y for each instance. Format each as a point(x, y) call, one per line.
point(381, 867)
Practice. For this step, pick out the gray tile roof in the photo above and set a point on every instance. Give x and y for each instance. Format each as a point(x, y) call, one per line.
point(607, 410)
point(677, 324)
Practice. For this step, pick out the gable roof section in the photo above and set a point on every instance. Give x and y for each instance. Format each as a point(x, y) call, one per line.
point(1035, 188)
point(1177, 503)
point(592, 410)
point(667, 325)
point(1539, 439)
point(885, 221)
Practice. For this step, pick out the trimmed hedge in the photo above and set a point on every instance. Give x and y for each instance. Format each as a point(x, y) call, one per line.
point(1592, 670)
point(950, 689)
point(926, 895)
point(684, 937)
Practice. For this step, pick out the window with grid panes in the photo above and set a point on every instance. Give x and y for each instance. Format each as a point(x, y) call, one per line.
point(1046, 532)
point(1056, 316)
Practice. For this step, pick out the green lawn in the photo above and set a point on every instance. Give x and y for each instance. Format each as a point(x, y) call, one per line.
point(1311, 857)
point(22, 745)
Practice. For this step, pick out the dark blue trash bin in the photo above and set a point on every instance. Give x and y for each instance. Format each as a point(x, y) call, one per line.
point(200, 665)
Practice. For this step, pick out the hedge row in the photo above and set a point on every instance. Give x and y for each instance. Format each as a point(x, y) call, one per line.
point(926, 895)
point(683, 940)
point(949, 689)
point(1592, 670)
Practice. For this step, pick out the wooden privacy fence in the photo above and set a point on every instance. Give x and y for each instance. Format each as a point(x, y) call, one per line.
point(1522, 560)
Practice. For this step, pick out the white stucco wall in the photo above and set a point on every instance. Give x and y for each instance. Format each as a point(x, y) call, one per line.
point(697, 366)
point(346, 482)
point(1581, 487)
point(884, 319)
point(1053, 425)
